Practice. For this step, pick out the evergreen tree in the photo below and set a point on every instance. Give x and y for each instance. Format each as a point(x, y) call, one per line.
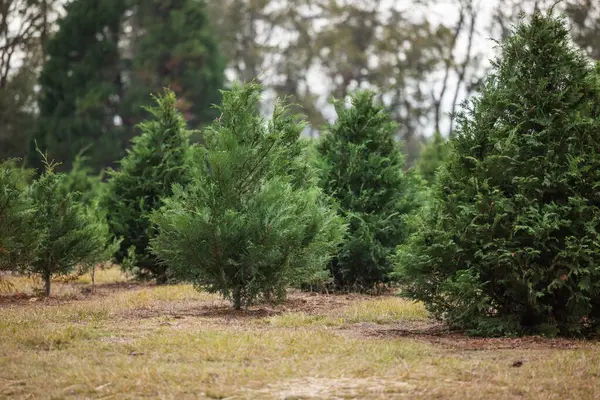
point(105, 60)
point(431, 158)
point(510, 244)
point(71, 235)
point(172, 46)
point(157, 160)
point(81, 86)
point(363, 171)
point(252, 222)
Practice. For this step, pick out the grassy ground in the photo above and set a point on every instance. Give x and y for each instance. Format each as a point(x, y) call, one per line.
point(136, 341)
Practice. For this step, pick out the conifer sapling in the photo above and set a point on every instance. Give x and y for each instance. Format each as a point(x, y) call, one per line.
point(252, 222)
point(71, 235)
point(362, 168)
point(157, 160)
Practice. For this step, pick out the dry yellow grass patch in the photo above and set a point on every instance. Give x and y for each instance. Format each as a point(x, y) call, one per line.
point(172, 342)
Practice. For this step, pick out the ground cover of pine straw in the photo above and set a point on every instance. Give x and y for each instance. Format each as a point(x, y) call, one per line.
point(130, 341)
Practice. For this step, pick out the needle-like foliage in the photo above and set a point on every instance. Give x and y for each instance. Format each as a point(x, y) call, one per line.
point(511, 243)
point(252, 222)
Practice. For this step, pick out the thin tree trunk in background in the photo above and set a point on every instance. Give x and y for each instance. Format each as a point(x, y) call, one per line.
point(237, 298)
point(94, 279)
point(463, 70)
point(48, 282)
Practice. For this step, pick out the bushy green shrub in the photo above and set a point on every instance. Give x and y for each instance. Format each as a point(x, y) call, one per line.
point(362, 168)
point(252, 222)
point(70, 234)
point(511, 244)
point(157, 160)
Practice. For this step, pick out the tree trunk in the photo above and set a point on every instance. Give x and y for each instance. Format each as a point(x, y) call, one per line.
point(237, 298)
point(94, 279)
point(47, 279)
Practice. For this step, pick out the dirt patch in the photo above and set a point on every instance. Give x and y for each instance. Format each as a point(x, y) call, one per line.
point(438, 334)
point(296, 302)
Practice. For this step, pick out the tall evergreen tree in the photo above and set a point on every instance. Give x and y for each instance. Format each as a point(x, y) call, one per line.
point(106, 59)
point(157, 160)
point(172, 46)
point(511, 243)
point(363, 171)
point(81, 86)
point(252, 222)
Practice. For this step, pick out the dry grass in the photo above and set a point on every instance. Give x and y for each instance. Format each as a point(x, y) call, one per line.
point(172, 342)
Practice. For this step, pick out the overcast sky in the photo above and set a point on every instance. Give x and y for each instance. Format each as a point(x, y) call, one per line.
point(446, 12)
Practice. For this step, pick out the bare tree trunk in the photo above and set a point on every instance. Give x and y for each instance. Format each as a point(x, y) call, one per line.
point(237, 297)
point(48, 282)
point(94, 279)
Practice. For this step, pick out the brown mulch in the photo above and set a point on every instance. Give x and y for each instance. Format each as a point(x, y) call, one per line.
point(436, 333)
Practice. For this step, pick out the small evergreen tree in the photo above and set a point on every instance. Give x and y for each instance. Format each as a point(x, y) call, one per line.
point(431, 158)
point(511, 242)
point(252, 222)
point(362, 169)
point(157, 160)
point(71, 235)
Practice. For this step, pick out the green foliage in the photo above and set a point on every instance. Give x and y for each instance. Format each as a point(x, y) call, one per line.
point(252, 222)
point(510, 244)
point(363, 171)
point(70, 234)
point(157, 160)
point(105, 60)
point(175, 48)
point(17, 237)
point(82, 180)
point(80, 84)
point(431, 158)
point(16, 116)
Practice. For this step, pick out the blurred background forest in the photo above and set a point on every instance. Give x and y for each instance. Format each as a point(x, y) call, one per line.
point(75, 75)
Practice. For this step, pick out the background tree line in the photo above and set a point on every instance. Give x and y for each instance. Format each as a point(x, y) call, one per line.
point(74, 75)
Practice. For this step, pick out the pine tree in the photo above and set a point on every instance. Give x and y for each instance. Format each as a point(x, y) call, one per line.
point(363, 171)
point(103, 63)
point(81, 86)
point(157, 160)
point(431, 158)
point(172, 46)
point(510, 244)
point(252, 222)
point(71, 235)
